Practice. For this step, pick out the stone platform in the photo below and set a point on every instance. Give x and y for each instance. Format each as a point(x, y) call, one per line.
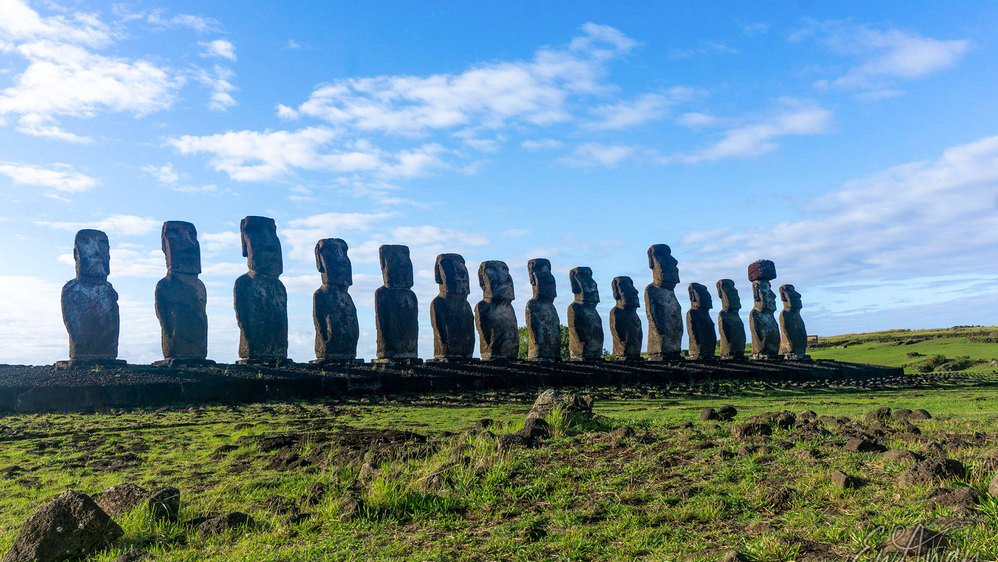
point(46, 389)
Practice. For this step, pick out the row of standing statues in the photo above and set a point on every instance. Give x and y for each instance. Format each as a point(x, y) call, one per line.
point(90, 309)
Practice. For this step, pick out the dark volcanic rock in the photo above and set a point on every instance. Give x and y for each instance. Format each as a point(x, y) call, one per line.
point(914, 541)
point(396, 311)
point(729, 324)
point(703, 339)
point(932, 471)
point(625, 325)
point(495, 319)
point(920, 415)
point(571, 405)
point(121, 498)
point(708, 414)
point(164, 503)
point(224, 523)
point(761, 270)
point(71, 525)
point(90, 303)
point(762, 325)
point(750, 429)
point(901, 456)
point(880, 414)
point(859, 445)
point(726, 412)
point(585, 327)
point(450, 314)
point(961, 499)
point(842, 480)
point(261, 301)
point(793, 334)
point(665, 316)
point(181, 297)
point(543, 325)
point(333, 311)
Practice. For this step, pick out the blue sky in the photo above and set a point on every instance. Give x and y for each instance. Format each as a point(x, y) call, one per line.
point(853, 143)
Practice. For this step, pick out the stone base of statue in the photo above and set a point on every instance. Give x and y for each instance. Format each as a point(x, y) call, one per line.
point(335, 361)
point(663, 357)
point(89, 363)
point(585, 359)
point(542, 359)
point(184, 362)
point(797, 357)
point(616, 359)
point(765, 357)
point(453, 360)
point(733, 357)
point(399, 361)
point(266, 362)
point(703, 359)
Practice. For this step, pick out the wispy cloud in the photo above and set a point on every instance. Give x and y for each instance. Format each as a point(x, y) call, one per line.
point(220, 48)
point(60, 177)
point(640, 110)
point(121, 225)
point(593, 154)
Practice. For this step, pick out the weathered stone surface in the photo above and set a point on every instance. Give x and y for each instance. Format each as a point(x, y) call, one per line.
point(842, 480)
point(164, 503)
point(495, 319)
point(181, 297)
point(914, 541)
point(665, 316)
point(69, 526)
point(396, 311)
point(762, 324)
point(932, 471)
point(900, 456)
point(569, 404)
point(700, 327)
point(261, 301)
point(90, 303)
point(960, 499)
point(333, 311)
point(224, 523)
point(450, 314)
point(585, 327)
point(121, 498)
point(625, 325)
point(882, 414)
point(726, 412)
point(543, 324)
point(860, 445)
point(793, 334)
point(751, 429)
point(762, 270)
point(729, 323)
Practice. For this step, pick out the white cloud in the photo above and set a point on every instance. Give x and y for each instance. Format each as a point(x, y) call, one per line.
point(626, 114)
point(60, 177)
point(31, 330)
point(885, 56)
point(542, 144)
point(218, 81)
point(219, 48)
point(706, 49)
point(158, 18)
point(120, 225)
point(593, 154)
point(37, 125)
point(164, 174)
point(302, 234)
point(758, 136)
point(22, 24)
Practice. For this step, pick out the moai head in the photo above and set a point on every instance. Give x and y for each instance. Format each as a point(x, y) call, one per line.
point(542, 280)
point(396, 267)
point(333, 263)
point(451, 274)
point(624, 292)
point(92, 253)
point(790, 297)
point(583, 285)
point(496, 283)
point(664, 267)
point(180, 245)
point(730, 302)
point(762, 294)
point(762, 270)
point(261, 246)
point(700, 297)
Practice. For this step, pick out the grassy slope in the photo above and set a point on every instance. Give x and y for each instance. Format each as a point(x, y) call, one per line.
point(583, 495)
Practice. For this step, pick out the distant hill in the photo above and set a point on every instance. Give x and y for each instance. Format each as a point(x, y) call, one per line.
point(960, 348)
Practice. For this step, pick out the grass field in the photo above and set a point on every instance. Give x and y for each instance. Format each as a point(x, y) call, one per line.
point(422, 478)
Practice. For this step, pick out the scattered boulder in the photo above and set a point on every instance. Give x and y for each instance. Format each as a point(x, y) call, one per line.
point(708, 414)
point(224, 523)
point(808, 415)
point(914, 541)
point(900, 414)
point(860, 445)
point(726, 412)
point(732, 556)
point(71, 525)
point(512, 441)
point(961, 499)
point(164, 503)
point(624, 432)
point(571, 405)
point(785, 420)
point(844, 481)
point(901, 456)
point(920, 415)
point(536, 428)
point(932, 471)
point(750, 429)
point(880, 414)
point(121, 498)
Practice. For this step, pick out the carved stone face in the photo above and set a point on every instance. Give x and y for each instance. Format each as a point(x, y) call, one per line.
point(496, 283)
point(700, 297)
point(181, 247)
point(261, 246)
point(764, 297)
point(624, 292)
point(92, 253)
point(790, 297)
point(583, 285)
point(396, 267)
point(730, 301)
point(332, 262)
point(452, 274)
point(542, 280)
point(665, 270)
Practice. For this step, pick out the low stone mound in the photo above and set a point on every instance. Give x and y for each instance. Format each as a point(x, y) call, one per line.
point(71, 525)
point(932, 471)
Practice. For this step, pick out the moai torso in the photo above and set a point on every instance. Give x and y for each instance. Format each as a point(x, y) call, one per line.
point(396, 311)
point(625, 325)
point(793, 334)
point(333, 311)
point(665, 316)
point(729, 323)
point(585, 327)
point(762, 323)
point(261, 301)
point(699, 325)
point(180, 297)
point(498, 339)
point(90, 303)
point(543, 324)
point(450, 313)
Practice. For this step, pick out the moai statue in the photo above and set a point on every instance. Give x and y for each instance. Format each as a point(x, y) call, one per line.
point(699, 325)
point(261, 301)
point(543, 324)
point(762, 324)
point(90, 304)
point(396, 312)
point(793, 334)
point(450, 314)
point(625, 326)
point(665, 316)
point(181, 298)
point(585, 327)
point(498, 339)
point(729, 323)
point(333, 311)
